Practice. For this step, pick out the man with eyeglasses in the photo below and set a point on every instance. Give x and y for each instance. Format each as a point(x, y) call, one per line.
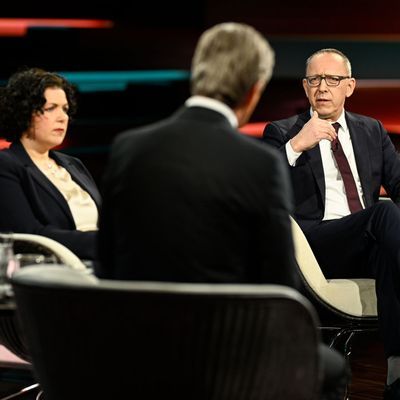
point(338, 162)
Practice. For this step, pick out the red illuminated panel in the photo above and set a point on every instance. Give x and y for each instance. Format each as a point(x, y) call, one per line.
point(19, 26)
point(380, 99)
point(4, 144)
point(255, 129)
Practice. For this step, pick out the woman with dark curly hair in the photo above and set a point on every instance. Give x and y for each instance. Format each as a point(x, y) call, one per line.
point(43, 191)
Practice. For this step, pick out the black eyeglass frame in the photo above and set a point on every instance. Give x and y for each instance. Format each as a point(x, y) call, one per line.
point(320, 77)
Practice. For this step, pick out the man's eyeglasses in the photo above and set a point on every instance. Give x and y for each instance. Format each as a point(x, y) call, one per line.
point(331, 80)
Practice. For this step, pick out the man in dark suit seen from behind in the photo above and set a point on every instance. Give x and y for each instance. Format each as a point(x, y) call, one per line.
point(190, 198)
point(352, 234)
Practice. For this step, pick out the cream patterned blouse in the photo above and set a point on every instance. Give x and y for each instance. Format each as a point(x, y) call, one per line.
point(82, 206)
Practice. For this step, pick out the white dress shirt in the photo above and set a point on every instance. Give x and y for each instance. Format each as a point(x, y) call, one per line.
point(336, 205)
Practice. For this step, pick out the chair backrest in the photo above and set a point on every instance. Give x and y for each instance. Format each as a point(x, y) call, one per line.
point(352, 298)
point(98, 339)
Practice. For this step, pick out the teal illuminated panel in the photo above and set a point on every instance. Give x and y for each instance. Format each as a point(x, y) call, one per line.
point(94, 81)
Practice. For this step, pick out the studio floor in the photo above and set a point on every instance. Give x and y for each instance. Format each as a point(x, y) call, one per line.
point(368, 366)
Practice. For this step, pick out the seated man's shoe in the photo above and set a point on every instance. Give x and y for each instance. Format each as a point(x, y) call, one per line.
point(392, 392)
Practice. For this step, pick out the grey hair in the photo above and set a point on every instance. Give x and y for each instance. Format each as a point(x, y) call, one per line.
point(332, 51)
point(229, 59)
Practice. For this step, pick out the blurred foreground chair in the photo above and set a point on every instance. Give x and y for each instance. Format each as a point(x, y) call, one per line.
point(11, 335)
point(345, 306)
point(23, 243)
point(99, 339)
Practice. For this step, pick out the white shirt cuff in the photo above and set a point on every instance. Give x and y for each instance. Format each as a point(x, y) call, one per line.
point(291, 155)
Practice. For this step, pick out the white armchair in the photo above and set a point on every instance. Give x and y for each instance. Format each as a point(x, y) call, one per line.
point(345, 306)
point(354, 298)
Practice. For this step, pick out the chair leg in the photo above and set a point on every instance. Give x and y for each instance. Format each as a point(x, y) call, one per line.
point(337, 337)
point(21, 392)
point(347, 346)
point(342, 341)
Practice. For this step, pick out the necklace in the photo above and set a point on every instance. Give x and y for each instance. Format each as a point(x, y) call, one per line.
point(50, 164)
point(48, 167)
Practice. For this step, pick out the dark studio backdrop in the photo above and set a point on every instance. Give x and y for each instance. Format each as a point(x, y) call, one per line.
point(159, 39)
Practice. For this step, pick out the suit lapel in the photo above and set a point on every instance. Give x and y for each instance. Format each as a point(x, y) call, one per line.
point(315, 162)
point(18, 150)
point(313, 156)
point(361, 153)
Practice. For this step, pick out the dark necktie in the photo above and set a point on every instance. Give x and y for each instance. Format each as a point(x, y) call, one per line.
point(347, 176)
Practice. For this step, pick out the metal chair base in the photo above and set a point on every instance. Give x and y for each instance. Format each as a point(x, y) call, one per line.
point(23, 391)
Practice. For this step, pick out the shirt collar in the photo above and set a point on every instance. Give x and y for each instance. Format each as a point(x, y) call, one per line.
point(341, 120)
point(215, 105)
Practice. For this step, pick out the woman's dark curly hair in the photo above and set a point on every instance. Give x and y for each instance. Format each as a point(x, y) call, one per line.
point(24, 95)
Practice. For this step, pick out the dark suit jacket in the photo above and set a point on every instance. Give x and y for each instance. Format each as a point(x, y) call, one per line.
point(377, 163)
point(191, 199)
point(30, 203)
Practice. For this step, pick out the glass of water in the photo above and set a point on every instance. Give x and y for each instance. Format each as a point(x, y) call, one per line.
point(25, 259)
point(7, 260)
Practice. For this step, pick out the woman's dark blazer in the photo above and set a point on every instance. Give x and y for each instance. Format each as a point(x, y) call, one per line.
point(30, 203)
